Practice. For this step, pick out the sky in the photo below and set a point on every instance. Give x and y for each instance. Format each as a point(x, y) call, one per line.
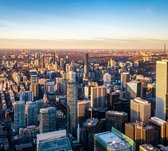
point(95, 24)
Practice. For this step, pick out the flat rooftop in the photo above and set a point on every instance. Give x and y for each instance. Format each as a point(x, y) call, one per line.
point(111, 140)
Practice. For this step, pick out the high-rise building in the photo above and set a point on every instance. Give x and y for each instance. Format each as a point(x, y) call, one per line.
point(133, 89)
point(19, 116)
point(140, 133)
point(86, 65)
point(53, 141)
point(116, 119)
point(161, 130)
point(82, 106)
point(140, 110)
point(72, 98)
point(34, 86)
point(89, 128)
point(31, 113)
point(112, 141)
point(72, 76)
point(47, 119)
point(113, 101)
point(125, 77)
point(162, 89)
point(98, 96)
point(26, 96)
point(107, 78)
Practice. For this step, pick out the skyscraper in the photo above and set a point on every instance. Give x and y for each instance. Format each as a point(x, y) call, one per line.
point(72, 98)
point(161, 129)
point(116, 119)
point(86, 65)
point(31, 113)
point(53, 141)
point(19, 116)
point(47, 119)
point(98, 96)
point(125, 77)
point(140, 110)
point(162, 89)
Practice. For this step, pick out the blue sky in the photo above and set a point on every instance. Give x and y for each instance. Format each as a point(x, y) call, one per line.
point(118, 22)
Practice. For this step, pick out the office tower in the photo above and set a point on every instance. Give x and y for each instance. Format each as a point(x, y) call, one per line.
point(107, 78)
point(53, 141)
point(61, 120)
point(130, 130)
point(116, 119)
point(165, 49)
point(34, 86)
point(50, 87)
point(82, 106)
point(29, 133)
point(43, 62)
point(39, 104)
point(19, 116)
point(72, 76)
point(89, 128)
point(161, 129)
point(61, 63)
point(16, 77)
point(98, 96)
point(31, 113)
point(112, 141)
point(113, 101)
point(86, 65)
point(39, 61)
point(162, 89)
point(133, 89)
point(140, 110)
point(147, 147)
point(72, 98)
point(47, 119)
point(125, 77)
point(125, 106)
point(140, 133)
point(61, 86)
point(26, 96)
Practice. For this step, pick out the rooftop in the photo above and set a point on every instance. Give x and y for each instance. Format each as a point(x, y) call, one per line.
point(158, 120)
point(111, 140)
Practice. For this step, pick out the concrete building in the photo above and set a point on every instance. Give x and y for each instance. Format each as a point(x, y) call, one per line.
point(19, 116)
point(116, 119)
point(140, 110)
point(162, 89)
point(72, 98)
point(125, 77)
point(161, 130)
point(53, 141)
point(47, 119)
point(112, 141)
point(98, 96)
point(140, 133)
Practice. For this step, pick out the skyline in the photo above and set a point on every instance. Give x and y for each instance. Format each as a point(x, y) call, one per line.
point(83, 24)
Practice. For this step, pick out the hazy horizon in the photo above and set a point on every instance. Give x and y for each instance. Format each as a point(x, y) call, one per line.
point(71, 24)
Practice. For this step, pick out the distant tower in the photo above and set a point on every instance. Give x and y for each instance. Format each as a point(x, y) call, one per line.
point(39, 63)
point(19, 116)
point(86, 65)
point(72, 97)
point(165, 49)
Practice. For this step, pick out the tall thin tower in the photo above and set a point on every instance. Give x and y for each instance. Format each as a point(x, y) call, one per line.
point(86, 65)
point(165, 49)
